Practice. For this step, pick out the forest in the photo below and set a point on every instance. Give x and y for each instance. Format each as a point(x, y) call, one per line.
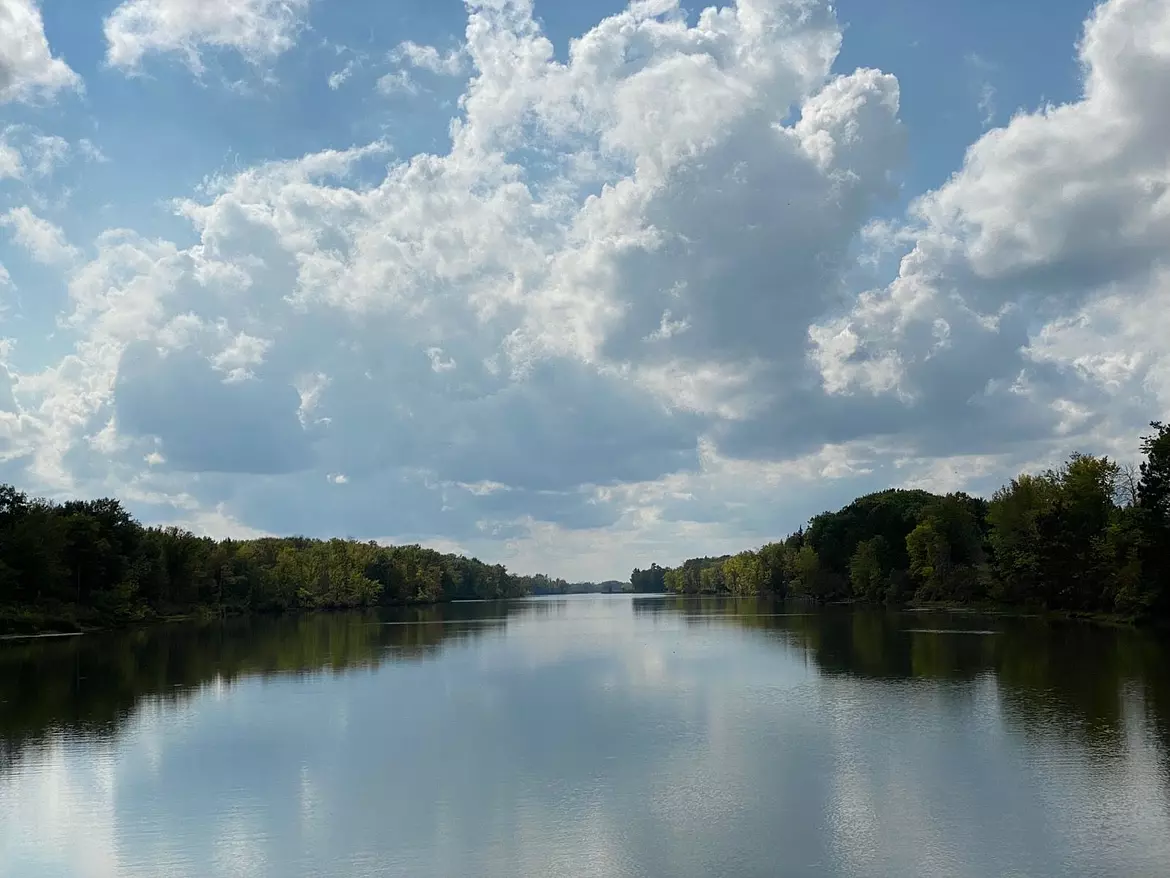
point(69, 566)
point(541, 584)
point(1091, 537)
point(91, 564)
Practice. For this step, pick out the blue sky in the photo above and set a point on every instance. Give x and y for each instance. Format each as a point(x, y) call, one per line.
point(577, 286)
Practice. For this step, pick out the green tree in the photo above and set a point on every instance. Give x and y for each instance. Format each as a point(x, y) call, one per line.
point(889, 514)
point(867, 571)
point(711, 580)
point(1154, 485)
point(945, 551)
point(743, 574)
point(674, 581)
point(776, 560)
point(1154, 504)
point(811, 579)
point(1014, 520)
point(650, 581)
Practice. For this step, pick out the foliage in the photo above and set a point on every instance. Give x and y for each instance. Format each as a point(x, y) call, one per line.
point(540, 584)
point(1089, 537)
point(889, 514)
point(946, 550)
point(651, 581)
point(90, 562)
point(868, 570)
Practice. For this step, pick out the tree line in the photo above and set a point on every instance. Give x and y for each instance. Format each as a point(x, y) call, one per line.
point(1089, 537)
point(540, 584)
point(69, 565)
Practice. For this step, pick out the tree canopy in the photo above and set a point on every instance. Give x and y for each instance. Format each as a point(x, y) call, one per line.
point(90, 562)
point(1088, 537)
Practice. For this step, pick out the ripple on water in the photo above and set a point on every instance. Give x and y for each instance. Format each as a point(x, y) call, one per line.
point(949, 631)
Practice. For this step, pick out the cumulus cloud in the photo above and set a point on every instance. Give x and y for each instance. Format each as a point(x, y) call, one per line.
point(259, 30)
point(203, 423)
point(1051, 221)
point(28, 70)
point(523, 274)
point(44, 241)
point(617, 317)
point(241, 353)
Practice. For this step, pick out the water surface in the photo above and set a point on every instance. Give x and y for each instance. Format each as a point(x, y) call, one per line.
point(589, 736)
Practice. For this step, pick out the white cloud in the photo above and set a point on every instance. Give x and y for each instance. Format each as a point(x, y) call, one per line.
point(6, 285)
point(11, 161)
point(725, 390)
point(614, 321)
point(451, 63)
point(27, 154)
point(438, 364)
point(1053, 220)
point(482, 489)
point(981, 70)
point(242, 352)
point(91, 151)
point(28, 70)
point(1115, 347)
point(521, 268)
point(45, 153)
point(259, 30)
point(309, 389)
point(398, 82)
point(668, 327)
point(339, 77)
point(43, 240)
point(219, 524)
point(987, 103)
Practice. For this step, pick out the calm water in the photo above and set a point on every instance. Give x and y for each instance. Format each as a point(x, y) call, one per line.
point(588, 736)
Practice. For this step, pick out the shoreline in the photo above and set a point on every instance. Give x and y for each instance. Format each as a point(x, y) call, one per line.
point(20, 625)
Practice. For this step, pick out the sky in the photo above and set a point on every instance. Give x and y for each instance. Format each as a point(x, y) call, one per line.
point(573, 287)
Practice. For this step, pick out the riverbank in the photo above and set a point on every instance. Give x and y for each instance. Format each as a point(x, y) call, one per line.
point(19, 623)
point(16, 623)
point(30, 623)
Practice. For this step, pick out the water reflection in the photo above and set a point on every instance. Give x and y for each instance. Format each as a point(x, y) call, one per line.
point(589, 736)
point(87, 686)
point(1077, 674)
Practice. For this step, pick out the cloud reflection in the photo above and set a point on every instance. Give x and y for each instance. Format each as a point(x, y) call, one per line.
point(590, 736)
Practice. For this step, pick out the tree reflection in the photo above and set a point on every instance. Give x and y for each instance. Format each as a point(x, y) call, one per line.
point(1076, 677)
point(89, 685)
point(1049, 678)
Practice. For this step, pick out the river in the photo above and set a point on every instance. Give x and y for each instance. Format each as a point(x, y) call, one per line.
point(624, 737)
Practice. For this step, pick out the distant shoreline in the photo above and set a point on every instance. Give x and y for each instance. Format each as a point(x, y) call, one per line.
point(35, 625)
